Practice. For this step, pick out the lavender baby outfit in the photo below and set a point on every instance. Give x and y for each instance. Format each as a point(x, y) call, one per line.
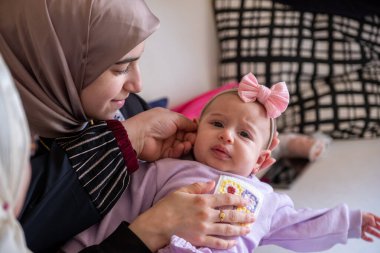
point(277, 221)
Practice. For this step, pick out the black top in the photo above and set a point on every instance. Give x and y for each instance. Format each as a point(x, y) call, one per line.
point(72, 188)
point(349, 8)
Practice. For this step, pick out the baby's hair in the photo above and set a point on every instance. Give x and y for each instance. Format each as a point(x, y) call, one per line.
point(235, 91)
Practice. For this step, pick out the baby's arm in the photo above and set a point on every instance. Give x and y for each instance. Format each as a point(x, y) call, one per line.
point(370, 225)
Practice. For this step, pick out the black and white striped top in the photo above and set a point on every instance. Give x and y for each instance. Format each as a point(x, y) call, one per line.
point(103, 159)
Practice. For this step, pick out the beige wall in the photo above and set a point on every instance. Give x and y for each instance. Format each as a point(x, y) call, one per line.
point(180, 59)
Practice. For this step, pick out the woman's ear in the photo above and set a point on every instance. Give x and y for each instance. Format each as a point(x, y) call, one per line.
point(264, 161)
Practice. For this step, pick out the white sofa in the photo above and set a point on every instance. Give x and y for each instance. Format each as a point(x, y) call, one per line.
point(349, 172)
point(179, 68)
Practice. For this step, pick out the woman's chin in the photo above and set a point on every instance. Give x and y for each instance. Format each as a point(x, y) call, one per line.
point(105, 116)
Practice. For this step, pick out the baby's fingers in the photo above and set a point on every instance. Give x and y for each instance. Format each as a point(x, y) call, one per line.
point(374, 233)
point(366, 238)
point(377, 220)
point(370, 230)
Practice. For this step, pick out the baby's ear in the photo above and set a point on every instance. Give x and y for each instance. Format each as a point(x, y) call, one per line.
point(264, 161)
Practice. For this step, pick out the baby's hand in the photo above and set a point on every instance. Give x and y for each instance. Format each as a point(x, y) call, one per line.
point(370, 225)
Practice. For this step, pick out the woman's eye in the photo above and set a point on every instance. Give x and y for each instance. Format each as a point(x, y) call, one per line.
point(217, 124)
point(245, 134)
point(123, 71)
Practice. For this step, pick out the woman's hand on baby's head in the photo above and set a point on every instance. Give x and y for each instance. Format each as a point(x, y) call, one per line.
point(159, 133)
point(190, 137)
point(370, 225)
point(179, 145)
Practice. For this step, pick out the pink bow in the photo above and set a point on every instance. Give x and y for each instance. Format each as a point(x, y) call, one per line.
point(275, 99)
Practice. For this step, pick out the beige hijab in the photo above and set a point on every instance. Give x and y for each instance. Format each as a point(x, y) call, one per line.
point(14, 158)
point(54, 48)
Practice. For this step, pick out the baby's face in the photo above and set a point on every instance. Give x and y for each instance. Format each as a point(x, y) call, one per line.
point(231, 135)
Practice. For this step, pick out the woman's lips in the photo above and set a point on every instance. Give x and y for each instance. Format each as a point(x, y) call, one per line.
point(118, 103)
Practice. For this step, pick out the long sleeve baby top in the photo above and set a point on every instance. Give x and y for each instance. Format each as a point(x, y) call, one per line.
point(277, 221)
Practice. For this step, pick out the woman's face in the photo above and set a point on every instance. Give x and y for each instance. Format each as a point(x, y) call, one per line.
point(103, 97)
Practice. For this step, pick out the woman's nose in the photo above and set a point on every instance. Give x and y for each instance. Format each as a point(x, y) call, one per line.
point(133, 84)
point(226, 137)
point(134, 87)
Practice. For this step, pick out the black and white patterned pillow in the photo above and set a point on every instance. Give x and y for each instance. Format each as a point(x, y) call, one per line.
point(329, 62)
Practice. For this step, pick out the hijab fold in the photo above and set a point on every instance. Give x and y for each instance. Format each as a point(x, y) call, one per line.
point(55, 48)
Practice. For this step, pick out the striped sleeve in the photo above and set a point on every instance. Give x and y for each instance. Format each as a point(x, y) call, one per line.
point(103, 158)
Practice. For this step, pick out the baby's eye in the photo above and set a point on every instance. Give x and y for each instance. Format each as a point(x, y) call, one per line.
point(245, 134)
point(217, 124)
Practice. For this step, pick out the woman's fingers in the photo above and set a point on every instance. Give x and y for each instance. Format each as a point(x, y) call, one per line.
point(179, 148)
point(193, 216)
point(215, 242)
point(225, 229)
point(221, 200)
point(227, 199)
point(190, 137)
point(220, 229)
point(156, 138)
point(233, 216)
point(198, 188)
point(183, 123)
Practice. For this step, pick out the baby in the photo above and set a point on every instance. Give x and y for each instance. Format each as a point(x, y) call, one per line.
point(233, 142)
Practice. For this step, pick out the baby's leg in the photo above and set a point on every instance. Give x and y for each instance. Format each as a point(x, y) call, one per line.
point(302, 146)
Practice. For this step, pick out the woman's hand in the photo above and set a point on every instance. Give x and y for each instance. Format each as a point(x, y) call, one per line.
point(160, 133)
point(193, 216)
point(370, 225)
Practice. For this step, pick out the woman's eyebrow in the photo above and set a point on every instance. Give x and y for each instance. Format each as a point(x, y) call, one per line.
point(127, 60)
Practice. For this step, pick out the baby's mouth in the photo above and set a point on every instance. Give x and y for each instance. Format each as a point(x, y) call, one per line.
point(221, 152)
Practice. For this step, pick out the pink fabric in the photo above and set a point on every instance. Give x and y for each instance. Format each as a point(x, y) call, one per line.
point(275, 99)
point(193, 108)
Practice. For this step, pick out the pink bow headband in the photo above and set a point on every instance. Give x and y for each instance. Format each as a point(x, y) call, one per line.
point(275, 100)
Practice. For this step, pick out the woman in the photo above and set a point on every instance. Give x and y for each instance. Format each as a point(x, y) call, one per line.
point(75, 63)
point(14, 164)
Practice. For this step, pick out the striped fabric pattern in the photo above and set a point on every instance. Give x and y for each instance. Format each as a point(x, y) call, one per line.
point(99, 164)
point(330, 63)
